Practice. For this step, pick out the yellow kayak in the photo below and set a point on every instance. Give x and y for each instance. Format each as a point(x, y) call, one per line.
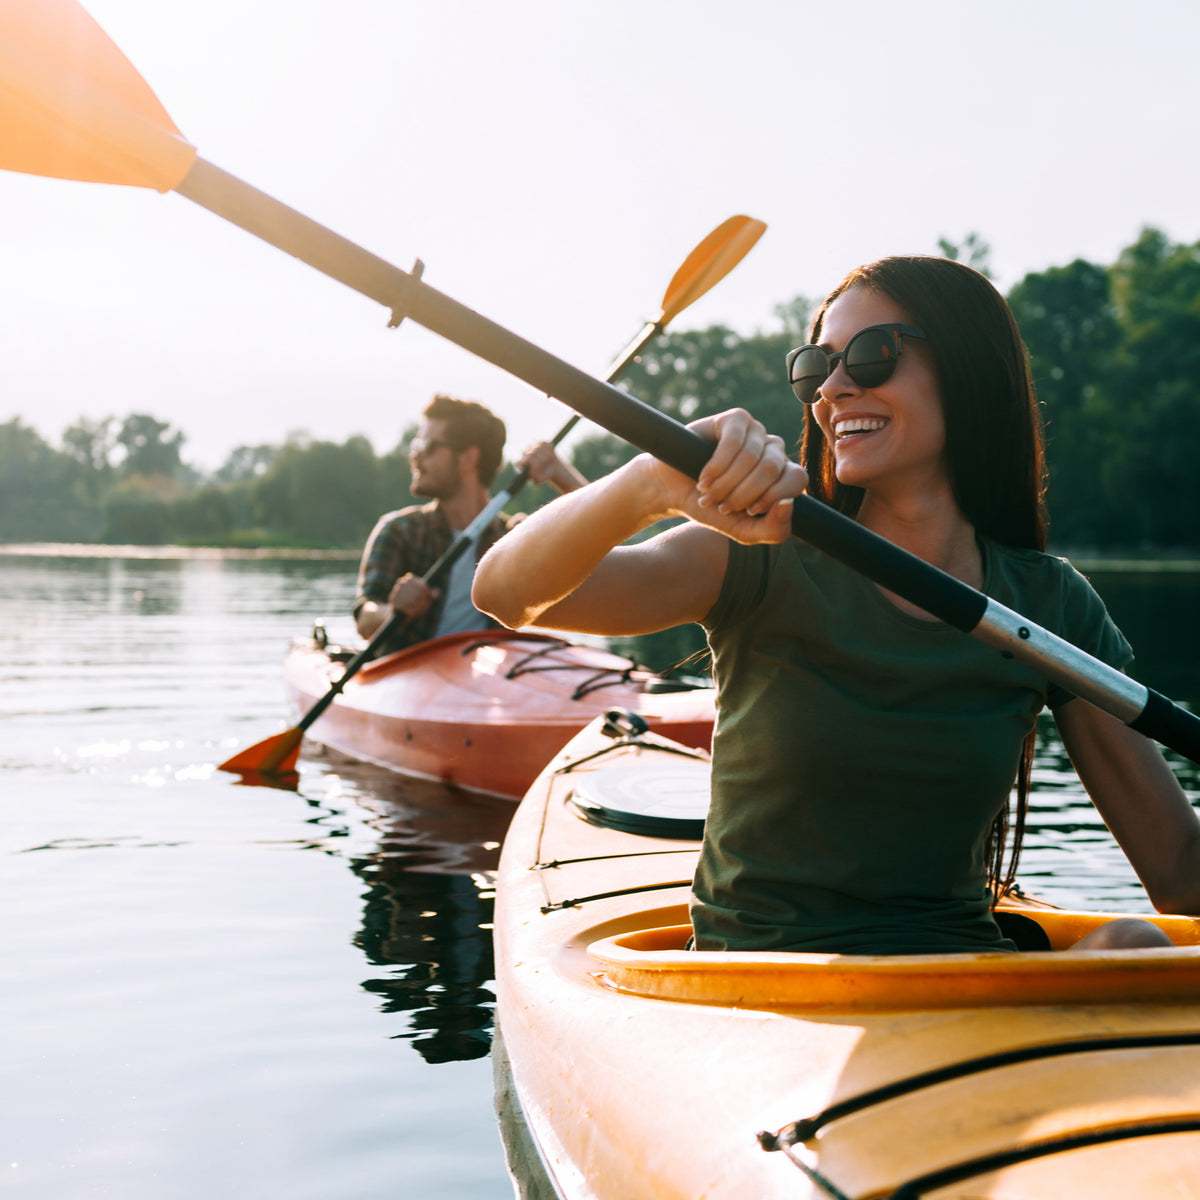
point(630, 1067)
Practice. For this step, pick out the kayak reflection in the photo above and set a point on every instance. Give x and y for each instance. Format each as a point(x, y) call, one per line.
point(427, 914)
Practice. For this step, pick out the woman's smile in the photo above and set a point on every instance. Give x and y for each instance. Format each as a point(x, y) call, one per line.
point(850, 426)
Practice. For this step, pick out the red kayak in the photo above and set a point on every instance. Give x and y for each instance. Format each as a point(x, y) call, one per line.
point(484, 710)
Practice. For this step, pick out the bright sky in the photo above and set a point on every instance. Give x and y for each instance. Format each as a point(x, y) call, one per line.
point(553, 162)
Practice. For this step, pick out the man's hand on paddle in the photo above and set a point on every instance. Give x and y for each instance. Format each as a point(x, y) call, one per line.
point(412, 596)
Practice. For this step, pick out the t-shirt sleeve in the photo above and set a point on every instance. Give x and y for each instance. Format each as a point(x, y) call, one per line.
point(1086, 624)
point(743, 587)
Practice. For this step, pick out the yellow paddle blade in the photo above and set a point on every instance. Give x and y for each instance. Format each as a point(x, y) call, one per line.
point(272, 756)
point(73, 107)
point(709, 263)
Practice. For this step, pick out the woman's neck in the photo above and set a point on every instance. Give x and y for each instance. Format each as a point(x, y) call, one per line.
point(931, 527)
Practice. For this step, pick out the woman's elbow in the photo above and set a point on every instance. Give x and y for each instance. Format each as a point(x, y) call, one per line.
point(1182, 900)
point(490, 596)
point(1176, 890)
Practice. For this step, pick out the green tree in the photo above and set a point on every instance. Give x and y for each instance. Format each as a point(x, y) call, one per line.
point(320, 493)
point(38, 497)
point(150, 447)
point(202, 516)
point(138, 510)
point(972, 250)
point(245, 462)
point(1069, 323)
point(1156, 388)
point(89, 444)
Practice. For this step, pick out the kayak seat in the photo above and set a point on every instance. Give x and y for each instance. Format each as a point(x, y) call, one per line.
point(1023, 930)
point(655, 963)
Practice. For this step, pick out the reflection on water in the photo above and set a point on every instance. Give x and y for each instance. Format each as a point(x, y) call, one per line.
point(427, 910)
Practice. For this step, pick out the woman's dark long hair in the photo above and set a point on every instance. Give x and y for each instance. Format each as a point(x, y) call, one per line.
point(995, 450)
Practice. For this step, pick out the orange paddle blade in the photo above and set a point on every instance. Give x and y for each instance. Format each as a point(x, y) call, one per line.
point(72, 106)
point(710, 262)
point(272, 756)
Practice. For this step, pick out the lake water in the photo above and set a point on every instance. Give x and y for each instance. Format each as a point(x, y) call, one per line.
point(213, 989)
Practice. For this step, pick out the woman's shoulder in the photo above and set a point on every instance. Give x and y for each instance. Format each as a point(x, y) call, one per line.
point(1046, 587)
point(1030, 568)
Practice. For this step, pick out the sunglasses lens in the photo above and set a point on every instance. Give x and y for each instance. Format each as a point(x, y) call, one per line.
point(808, 368)
point(871, 357)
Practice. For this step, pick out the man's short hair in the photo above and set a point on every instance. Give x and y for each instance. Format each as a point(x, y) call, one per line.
point(470, 424)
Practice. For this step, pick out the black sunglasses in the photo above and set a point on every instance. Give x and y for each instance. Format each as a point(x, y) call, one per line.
point(419, 447)
point(870, 357)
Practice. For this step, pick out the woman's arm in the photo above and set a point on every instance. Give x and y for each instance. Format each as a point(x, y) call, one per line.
point(1141, 801)
point(565, 565)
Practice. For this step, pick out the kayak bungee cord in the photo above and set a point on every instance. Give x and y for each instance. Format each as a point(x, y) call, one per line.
point(790, 1138)
point(985, 1164)
point(808, 1127)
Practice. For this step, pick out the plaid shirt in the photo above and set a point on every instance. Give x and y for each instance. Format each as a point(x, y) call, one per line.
point(412, 540)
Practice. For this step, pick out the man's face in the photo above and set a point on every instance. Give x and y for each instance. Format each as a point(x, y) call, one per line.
point(434, 462)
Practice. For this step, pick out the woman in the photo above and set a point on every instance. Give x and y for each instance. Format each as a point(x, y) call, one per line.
point(865, 752)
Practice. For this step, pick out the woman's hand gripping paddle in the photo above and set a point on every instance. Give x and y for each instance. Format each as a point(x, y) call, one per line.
point(71, 106)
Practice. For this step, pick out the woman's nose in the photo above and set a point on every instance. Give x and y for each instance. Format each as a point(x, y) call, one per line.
point(837, 383)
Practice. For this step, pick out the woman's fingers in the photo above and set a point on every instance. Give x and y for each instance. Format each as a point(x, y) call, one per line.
point(749, 470)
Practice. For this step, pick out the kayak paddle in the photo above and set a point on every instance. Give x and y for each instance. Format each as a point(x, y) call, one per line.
point(705, 266)
point(72, 106)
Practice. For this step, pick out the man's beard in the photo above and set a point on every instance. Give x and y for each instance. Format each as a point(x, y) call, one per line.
point(433, 489)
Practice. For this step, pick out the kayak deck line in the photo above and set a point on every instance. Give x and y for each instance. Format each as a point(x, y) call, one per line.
point(619, 743)
point(555, 864)
point(604, 678)
point(805, 1130)
point(580, 901)
point(986, 1165)
point(807, 1127)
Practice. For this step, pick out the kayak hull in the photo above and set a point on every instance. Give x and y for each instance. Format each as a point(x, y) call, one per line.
point(642, 1069)
point(482, 711)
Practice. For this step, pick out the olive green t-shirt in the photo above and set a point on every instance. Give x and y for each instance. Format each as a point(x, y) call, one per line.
point(862, 754)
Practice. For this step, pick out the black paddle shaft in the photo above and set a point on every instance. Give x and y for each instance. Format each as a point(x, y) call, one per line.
point(886, 564)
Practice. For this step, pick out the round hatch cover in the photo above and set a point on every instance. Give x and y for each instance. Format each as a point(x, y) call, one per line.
point(659, 801)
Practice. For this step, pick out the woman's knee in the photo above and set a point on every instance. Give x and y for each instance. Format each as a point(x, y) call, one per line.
point(1125, 933)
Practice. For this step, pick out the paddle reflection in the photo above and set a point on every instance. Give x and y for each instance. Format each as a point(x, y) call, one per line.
point(428, 864)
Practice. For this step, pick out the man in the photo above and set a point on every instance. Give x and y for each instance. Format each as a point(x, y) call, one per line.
point(454, 458)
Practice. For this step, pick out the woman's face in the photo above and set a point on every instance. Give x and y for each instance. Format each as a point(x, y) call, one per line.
point(891, 437)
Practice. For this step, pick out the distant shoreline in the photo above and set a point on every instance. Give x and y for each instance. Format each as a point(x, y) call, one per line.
point(99, 550)
point(1088, 562)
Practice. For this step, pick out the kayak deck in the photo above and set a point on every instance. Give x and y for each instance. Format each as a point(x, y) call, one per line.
point(643, 1069)
point(483, 710)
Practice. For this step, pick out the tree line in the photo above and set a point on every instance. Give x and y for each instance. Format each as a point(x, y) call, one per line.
point(1114, 351)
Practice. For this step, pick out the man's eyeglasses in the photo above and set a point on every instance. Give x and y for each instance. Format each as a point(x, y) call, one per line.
point(421, 447)
point(870, 357)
